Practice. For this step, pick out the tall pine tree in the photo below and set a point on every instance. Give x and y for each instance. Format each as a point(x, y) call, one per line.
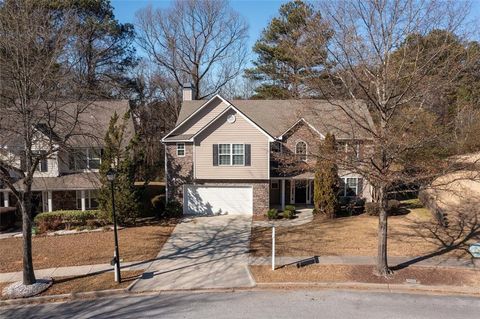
point(291, 49)
point(120, 156)
point(326, 178)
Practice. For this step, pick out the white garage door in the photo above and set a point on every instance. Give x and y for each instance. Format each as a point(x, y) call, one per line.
point(210, 200)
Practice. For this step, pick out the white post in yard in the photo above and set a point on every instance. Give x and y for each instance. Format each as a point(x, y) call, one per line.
point(273, 247)
point(49, 201)
point(82, 200)
point(6, 202)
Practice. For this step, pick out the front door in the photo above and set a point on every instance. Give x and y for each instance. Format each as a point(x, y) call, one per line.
point(300, 192)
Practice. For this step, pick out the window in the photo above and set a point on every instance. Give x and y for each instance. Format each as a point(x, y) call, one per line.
point(349, 186)
point(180, 149)
point(43, 161)
point(301, 150)
point(91, 199)
point(85, 158)
point(231, 154)
point(274, 184)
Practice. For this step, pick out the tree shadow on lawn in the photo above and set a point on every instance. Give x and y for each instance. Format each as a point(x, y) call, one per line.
point(453, 240)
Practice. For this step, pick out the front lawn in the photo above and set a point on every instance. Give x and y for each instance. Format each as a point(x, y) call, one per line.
point(365, 274)
point(136, 244)
point(412, 234)
point(90, 282)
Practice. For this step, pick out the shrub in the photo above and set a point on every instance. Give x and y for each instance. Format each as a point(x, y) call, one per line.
point(288, 214)
point(66, 219)
point(7, 217)
point(272, 213)
point(372, 209)
point(158, 204)
point(173, 209)
point(393, 206)
point(290, 207)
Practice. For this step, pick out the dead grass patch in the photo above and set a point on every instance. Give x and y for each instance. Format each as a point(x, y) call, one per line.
point(136, 244)
point(87, 283)
point(433, 276)
point(414, 234)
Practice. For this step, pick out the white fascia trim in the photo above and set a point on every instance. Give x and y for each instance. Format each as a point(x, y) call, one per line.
point(229, 107)
point(195, 112)
point(295, 124)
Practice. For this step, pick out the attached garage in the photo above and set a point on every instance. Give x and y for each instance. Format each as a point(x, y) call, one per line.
point(212, 200)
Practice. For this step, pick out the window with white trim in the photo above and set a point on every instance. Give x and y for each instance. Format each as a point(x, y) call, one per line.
point(301, 150)
point(231, 154)
point(350, 187)
point(180, 149)
point(85, 158)
point(91, 199)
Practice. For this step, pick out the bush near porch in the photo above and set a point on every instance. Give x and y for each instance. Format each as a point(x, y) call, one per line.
point(67, 219)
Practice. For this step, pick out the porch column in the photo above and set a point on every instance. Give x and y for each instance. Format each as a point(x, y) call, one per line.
point(82, 199)
point(292, 191)
point(307, 190)
point(49, 201)
point(6, 201)
point(282, 192)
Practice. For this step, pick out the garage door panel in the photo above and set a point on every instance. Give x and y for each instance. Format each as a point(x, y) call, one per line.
point(209, 200)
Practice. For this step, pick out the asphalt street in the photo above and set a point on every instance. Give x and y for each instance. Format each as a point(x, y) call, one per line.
point(257, 304)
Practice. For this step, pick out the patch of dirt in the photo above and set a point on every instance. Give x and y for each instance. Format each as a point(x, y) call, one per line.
point(136, 244)
point(93, 282)
point(433, 276)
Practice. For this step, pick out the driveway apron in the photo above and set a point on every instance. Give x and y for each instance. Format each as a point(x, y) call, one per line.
point(202, 253)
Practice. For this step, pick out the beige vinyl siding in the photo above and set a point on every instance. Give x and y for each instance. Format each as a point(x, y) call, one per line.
point(204, 116)
point(241, 132)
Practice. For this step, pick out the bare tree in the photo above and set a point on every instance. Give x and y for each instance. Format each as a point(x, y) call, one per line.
point(202, 42)
point(36, 120)
point(376, 56)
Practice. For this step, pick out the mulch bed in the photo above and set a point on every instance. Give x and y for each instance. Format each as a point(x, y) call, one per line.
point(433, 276)
point(136, 244)
point(92, 282)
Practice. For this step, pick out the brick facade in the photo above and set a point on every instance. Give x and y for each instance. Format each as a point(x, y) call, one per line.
point(301, 132)
point(179, 170)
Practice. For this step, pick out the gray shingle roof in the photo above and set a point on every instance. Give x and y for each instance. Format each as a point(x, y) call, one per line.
point(76, 181)
point(277, 116)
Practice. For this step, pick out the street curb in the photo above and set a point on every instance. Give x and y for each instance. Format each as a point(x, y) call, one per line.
point(393, 288)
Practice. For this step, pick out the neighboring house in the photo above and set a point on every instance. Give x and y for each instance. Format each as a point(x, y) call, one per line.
point(68, 179)
point(222, 156)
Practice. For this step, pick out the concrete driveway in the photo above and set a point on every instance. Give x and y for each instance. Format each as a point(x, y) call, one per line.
point(202, 253)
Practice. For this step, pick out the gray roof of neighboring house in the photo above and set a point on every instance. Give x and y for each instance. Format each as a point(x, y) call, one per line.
point(277, 116)
point(91, 124)
point(76, 181)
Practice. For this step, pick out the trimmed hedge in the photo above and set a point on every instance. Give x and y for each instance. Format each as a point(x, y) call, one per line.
point(288, 214)
point(66, 219)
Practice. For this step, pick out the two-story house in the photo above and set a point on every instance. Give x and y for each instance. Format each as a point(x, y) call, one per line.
point(221, 157)
point(68, 178)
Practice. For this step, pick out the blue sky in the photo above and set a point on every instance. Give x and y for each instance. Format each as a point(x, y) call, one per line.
point(257, 12)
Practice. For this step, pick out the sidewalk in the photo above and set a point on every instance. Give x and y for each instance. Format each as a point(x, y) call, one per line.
point(367, 260)
point(73, 271)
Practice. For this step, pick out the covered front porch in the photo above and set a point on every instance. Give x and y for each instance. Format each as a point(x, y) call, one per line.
point(297, 190)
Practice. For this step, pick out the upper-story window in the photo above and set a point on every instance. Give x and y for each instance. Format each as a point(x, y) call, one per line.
point(180, 149)
point(350, 149)
point(85, 158)
point(231, 154)
point(43, 161)
point(301, 150)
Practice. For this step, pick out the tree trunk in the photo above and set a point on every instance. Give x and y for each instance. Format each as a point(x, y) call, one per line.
point(382, 259)
point(25, 206)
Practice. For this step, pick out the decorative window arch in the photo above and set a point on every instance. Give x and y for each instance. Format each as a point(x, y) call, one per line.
point(301, 150)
